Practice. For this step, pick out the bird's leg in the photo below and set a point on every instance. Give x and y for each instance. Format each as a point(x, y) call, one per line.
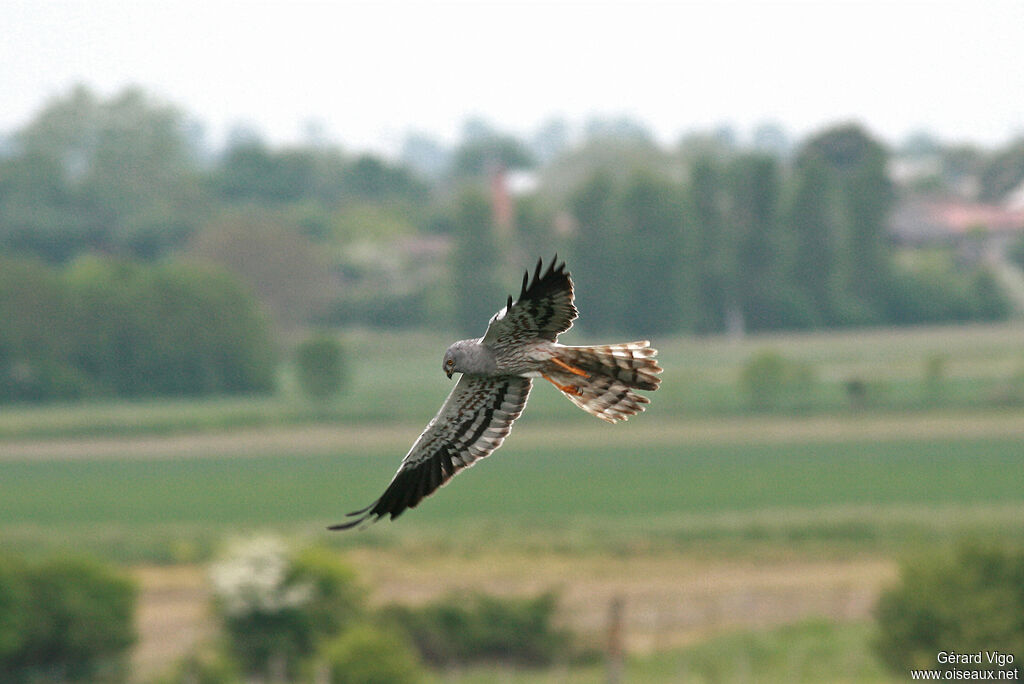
point(568, 389)
point(572, 369)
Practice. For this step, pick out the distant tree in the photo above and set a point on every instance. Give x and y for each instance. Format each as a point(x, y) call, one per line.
point(475, 263)
point(1015, 251)
point(320, 362)
point(77, 625)
point(14, 611)
point(621, 128)
point(251, 171)
point(855, 165)
point(118, 175)
point(277, 607)
point(967, 601)
point(272, 256)
point(550, 140)
point(425, 155)
point(654, 257)
point(813, 233)
point(754, 193)
point(600, 246)
point(478, 628)
point(1003, 172)
point(37, 336)
point(172, 329)
point(479, 157)
point(367, 654)
point(371, 178)
point(713, 247)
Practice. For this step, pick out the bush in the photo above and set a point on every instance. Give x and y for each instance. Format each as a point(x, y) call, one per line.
point(168, 330)
point(321, 367)
point(369, 655)
point(480, 628)
point(968, 601)
point(76, 621)
point(107, 327)
point(769, 378)
point(13, 610)
point(207, 665)
point(277, 607)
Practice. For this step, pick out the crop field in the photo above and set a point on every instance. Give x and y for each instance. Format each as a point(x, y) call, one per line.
point(708, 516)
point(644, 487)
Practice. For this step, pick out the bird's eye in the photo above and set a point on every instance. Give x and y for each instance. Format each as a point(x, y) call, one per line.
point(450, 362)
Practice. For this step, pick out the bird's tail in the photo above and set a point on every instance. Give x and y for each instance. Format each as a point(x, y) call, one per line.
point(601, 379)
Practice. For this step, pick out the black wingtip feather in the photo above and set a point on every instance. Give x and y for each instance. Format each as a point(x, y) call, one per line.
point(540, 275)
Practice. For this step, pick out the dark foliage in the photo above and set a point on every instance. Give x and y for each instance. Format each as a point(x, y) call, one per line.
point(64, 619)
point(479, 628)
point(970, 601)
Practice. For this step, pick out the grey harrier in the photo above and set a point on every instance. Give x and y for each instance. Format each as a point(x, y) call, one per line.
point(520, 344)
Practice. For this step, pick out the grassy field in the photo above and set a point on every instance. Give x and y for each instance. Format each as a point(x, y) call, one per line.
point(868, 491)
point(716, 522)
point(397, 378)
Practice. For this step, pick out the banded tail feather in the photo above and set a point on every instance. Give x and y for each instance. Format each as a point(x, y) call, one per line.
point(610, 374)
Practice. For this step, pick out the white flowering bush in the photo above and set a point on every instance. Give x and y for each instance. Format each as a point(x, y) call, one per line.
point(277, 606)
point(253, 578)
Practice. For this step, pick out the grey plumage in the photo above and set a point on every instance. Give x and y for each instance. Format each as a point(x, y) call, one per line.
point(520, 344)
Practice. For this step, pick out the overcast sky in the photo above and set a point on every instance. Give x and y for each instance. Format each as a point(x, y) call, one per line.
point(369, 72)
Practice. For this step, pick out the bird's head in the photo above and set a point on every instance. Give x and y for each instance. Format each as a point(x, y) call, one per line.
point(448, 365)
point(459, 358)
point(454, 360)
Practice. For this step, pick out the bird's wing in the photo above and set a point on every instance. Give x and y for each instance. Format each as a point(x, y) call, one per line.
point(474, 421)
point(544, 308)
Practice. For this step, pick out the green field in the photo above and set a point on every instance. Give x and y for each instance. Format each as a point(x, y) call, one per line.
point(867, 491)
point(396, 377)
point(699, 463)
point(801, 508)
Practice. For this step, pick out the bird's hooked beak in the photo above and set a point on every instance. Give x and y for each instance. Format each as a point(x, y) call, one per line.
point(448, 372)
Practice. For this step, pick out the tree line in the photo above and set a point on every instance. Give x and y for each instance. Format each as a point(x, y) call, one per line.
point(104, 328)
point(749, 243)
point(113, 203)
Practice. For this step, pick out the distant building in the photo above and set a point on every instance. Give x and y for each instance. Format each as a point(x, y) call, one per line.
point(973, 227)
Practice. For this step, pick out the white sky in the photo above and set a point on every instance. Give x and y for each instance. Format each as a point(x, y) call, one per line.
point(368, 72)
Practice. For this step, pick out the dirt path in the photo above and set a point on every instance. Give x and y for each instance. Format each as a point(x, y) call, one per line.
point(331, 438)
point(172, 616)
point(669, 599)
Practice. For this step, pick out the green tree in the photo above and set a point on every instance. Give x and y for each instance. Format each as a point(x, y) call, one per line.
point(813, 236)
point(713, 253)
point(475, 263)
point(268, 252)
point(369, 655)
point(121, 175)
point(14, 610)
point(481, 628)
point(969, 601)
point(78, 624)
point(172, 329)
point(654, 254)
point(321, 368)
point(855, 166)
point(1002, 172)
point(754, 189)
point(599, 248)
point(249, 171)
point(37, 335)
point(278, 607)
point(483, 149)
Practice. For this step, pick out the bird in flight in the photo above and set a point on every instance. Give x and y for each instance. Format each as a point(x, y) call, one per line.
point(497, 371)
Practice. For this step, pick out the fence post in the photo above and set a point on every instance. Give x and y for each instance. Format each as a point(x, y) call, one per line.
point(615, 650)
